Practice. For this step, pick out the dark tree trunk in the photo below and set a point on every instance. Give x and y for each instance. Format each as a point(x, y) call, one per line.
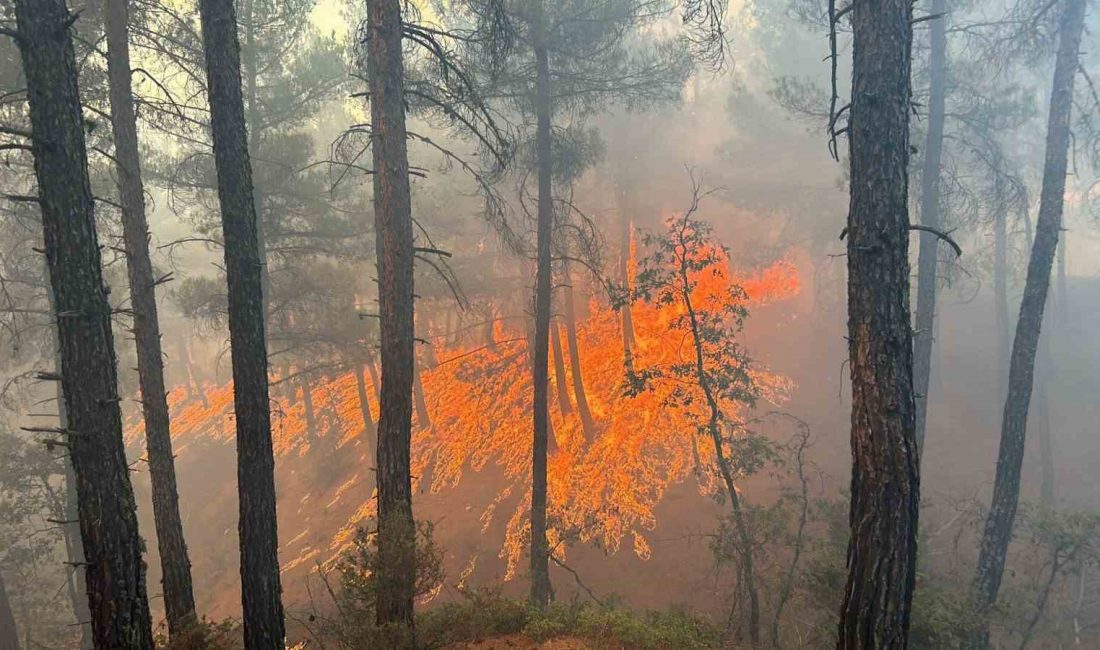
point(1006, 488)
point(575, 357)
point(260, 581)
point(251, 76)
point(364, 406)
point(882, 550)
point(930, 207)
point(394, 251)
point(564, 405)
point(194, 387)
point(1046, 436)
point(744, 544)
point(93, 433)
point(74, 553)
point(1000, 299)
point(307, 406)
point(9, 634)
point(70, 531)
point(376, 385)
point(179, 599)
point(540, 547)
point(625, 226)
point(490, 334)
point(423, 420)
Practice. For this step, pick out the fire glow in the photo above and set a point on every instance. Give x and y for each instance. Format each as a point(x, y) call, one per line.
point(603, 488)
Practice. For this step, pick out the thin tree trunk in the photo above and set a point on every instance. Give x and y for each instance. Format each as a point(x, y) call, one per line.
point(93, 433)
point(307, 406)
point(423, 420)
point(564, 405)
point(1006, 489)
point(625, 241)
point(540, 547)
point(9, 634)
point(376, 385)
point(260, 579)
point(179, 598)
point(924, 334)
point(1000, 299)
point(744, 541)
point(364, 406)
point(1046, 438)
point(394, 243)
point(194, 388)
point(575, 358)
point(882, 550)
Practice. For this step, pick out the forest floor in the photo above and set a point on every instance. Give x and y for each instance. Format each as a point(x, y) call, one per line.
point(524, 642)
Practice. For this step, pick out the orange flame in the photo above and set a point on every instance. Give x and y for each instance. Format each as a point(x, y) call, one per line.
point(479, 398)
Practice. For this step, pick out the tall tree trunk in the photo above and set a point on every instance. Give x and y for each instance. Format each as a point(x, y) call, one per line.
point(1000, 298)
point(307, 406)
point(575, 357)
point(251, 76)
point(394, 244)
point(882, 550)
point(179, 599)
point(364, 405)
point(259, 538)
point(423, 420)
point(625, 241)
point(924, 334)
point(9, 633)
point(194, 387)
point(93, 433)
point(376, 384)
point(744, 538)
point(1006, 488)
point(1046, 437)
point(70, 531)
point(540, 547)
point(74, 553)
point(564, 405)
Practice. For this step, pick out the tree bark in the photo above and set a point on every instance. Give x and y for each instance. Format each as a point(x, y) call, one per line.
point(9, 633)
point(251, 75)
point(885, 458)
point(540, 547)
point(93, 433)
point(364, 406)
point(260, 581)
point(564, 405)
point(928, 256)
point(1000, 299)
point(588, 424)
point(394, 244)
point(179, 599)
point(744, 539)
point(376, 385)
point(307, 406)
point(423, 420)
point(625, 240)
point(76, 582)
point(1006, 488)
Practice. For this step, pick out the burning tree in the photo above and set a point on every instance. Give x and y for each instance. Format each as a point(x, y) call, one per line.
point(714, 381)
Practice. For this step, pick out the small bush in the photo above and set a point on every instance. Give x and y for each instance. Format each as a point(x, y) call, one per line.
point(481, 614)
point(205, 635)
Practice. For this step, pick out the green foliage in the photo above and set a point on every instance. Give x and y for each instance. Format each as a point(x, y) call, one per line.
point(483, 614)
point(205, 635)
point(355, 596)
point(480, 614)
